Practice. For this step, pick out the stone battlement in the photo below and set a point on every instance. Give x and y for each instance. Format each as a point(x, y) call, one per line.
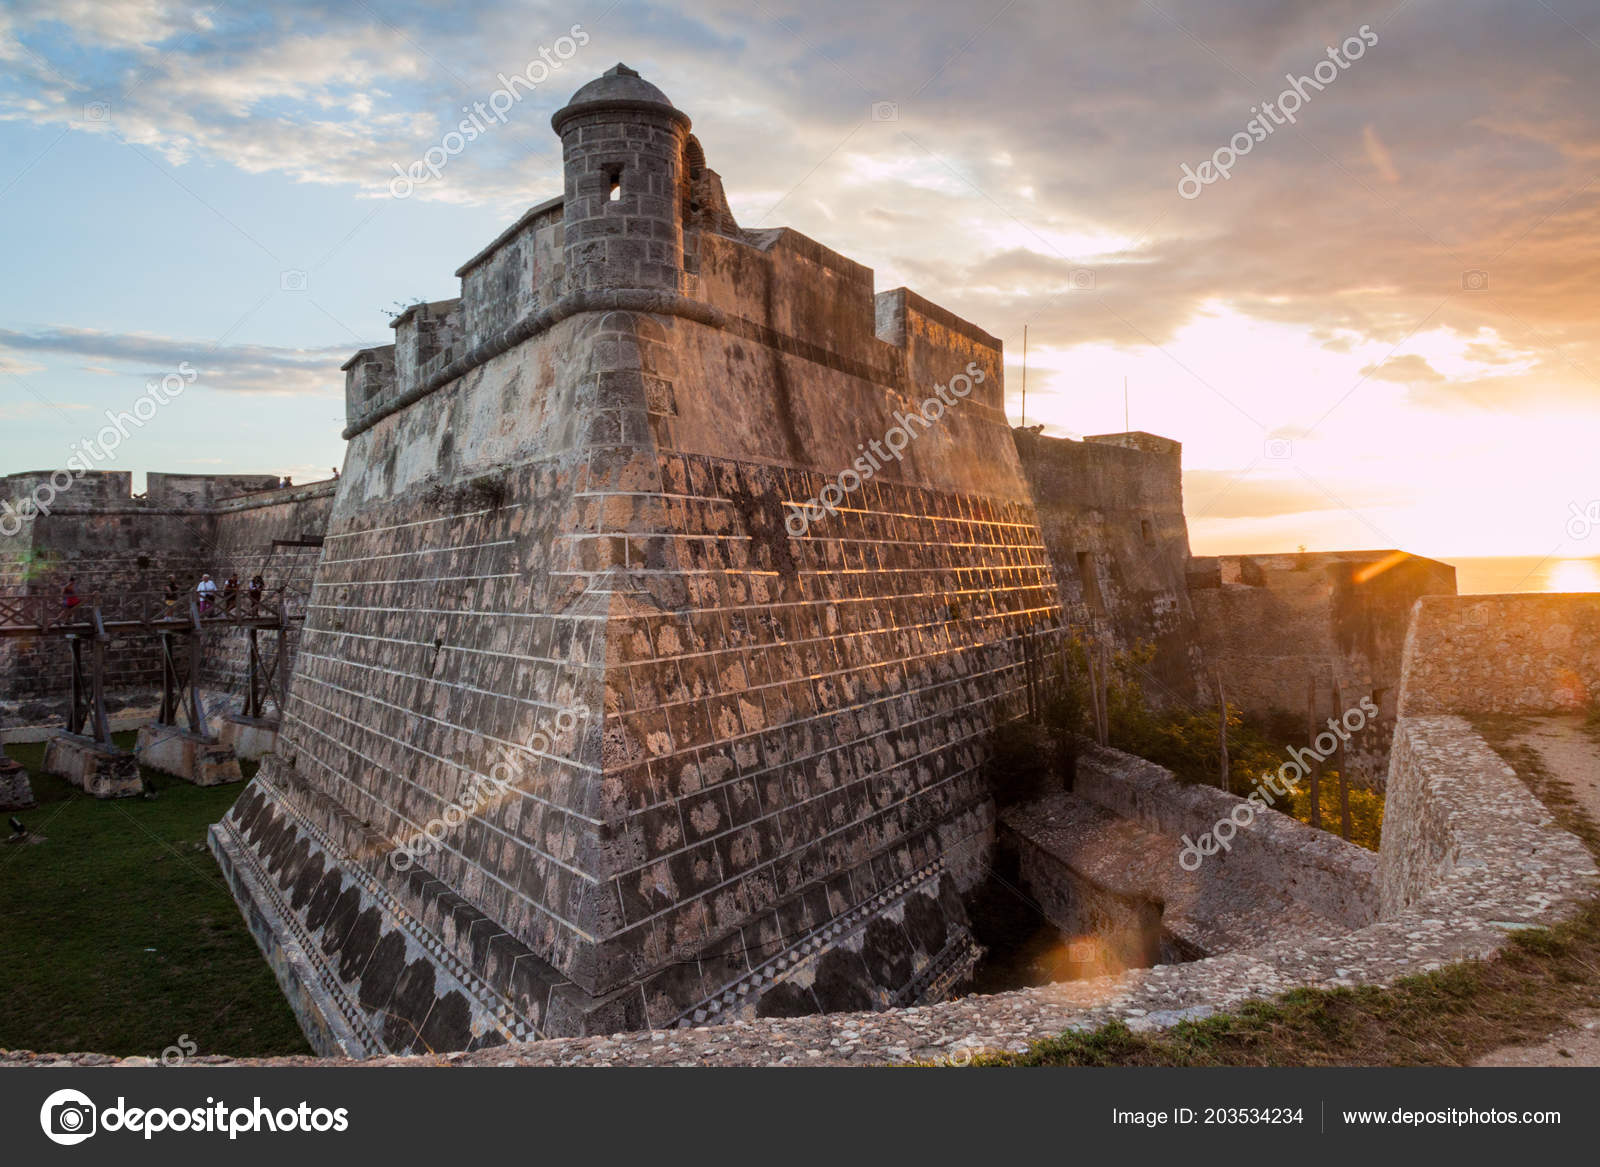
point(770, 287)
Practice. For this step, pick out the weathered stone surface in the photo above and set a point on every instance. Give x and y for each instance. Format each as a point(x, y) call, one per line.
point(736, 757)
point(1268, 624)
point(1503, 654)
point(1111, 511)
point(1442, 912)
point(104, 773)
point(249, 738)
point(200, 760)
point(16, 792)
point(116, 544)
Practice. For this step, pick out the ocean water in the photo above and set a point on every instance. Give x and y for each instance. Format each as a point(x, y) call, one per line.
point(1525, 574)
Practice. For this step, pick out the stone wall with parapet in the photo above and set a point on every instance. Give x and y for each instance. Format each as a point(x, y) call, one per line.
point(1527, 653)
point(277, 533)
point(117, 544)
point(1271, 623)
point(1275, 625)
point(1111, 510)
point(791, 728)
point(583, 499)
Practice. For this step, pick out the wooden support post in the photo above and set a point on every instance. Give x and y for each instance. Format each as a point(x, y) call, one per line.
point(1311, 744)
point(196, 651)
point(75, 717)
point(282, 669)
point(169, 682)
point(1339, 760)
point(1222, 714)
point(102, 723)
point(252, 693)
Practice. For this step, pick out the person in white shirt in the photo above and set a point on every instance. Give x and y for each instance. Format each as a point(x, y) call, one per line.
point(208, 592)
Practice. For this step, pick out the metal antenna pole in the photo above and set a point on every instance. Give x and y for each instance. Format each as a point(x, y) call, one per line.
point(1024, 375)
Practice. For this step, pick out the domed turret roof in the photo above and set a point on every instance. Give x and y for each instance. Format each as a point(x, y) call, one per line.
point(618, 88)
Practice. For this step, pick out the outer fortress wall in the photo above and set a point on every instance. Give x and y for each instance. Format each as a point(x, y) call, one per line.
point(277, 533)
point(115, 543)
point(1272, 624)
point(743, 762)
point(1530, 653)
point(1111, 509)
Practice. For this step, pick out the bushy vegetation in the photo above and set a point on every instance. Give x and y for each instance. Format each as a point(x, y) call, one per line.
point(1184, 740)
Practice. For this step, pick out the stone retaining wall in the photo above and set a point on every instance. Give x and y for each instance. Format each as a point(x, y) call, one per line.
point(1534, 653)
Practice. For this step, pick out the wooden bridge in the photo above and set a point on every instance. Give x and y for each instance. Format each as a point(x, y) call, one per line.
point(89, 625)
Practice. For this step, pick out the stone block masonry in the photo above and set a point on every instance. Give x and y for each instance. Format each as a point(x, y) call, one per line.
point(1503, 654)
point(1271, 624)
point(1111, 511)
point(772, 802)
point(116, 544)
point(16, 792)
point(1487, 861)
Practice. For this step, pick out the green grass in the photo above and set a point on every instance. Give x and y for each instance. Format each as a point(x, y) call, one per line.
point(118, 934)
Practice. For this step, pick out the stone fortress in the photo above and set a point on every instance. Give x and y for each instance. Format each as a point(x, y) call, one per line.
point(671, 763)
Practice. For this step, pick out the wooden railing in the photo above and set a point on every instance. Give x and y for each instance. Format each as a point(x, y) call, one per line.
point(22, 614)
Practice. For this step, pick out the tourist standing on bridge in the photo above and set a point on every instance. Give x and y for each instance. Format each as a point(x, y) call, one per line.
point(230, 595)
point(207, 589)
point(172, 594)
point(257, 586)
point(69, 595)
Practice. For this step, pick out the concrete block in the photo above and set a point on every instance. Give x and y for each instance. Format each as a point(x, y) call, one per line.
point(104, 773)
point(16, 792)
point(250, 738)
point(203, 761)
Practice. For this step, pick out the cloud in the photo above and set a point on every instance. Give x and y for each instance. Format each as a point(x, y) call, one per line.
point(238, 368)
point(1030, 142)
point(1409, 369)
point(1222, 494)
point(1378, 154)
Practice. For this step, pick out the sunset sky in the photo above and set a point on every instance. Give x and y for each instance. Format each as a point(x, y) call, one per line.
point(1379, 330)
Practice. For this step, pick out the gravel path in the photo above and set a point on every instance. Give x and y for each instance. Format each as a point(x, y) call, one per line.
point(1572, 756)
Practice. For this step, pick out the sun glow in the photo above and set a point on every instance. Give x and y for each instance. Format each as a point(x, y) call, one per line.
point(1574, 575)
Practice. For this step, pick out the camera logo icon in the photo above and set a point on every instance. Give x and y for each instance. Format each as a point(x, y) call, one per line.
point(886, 111)
point(292, 281)
point(1081, 279)
point(97, 111)
point(68, 1117)
point(1278, 449)
point(1082, 951)
point(1475, 280)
